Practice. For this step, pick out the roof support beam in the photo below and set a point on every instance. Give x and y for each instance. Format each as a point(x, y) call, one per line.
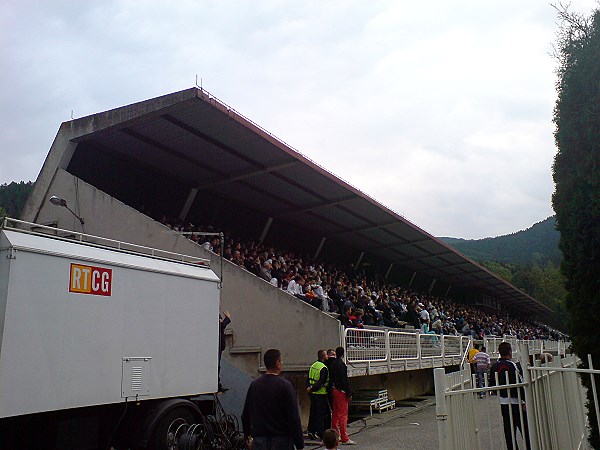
point(431, 286)
point(365, 228)
point(431, 255)
point(405, 243)
point(464, 263)
point(184, 126)
point(448, 290)
point(359, 260)
point(388, 271)
point(319, 248)
point(265, 230)
point(171, 151)
point(188, 203)
point(412, 279)
point(315, 206)
point(247, 175)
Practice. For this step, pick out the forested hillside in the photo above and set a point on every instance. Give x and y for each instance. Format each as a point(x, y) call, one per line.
point(13, 197)
point(529, 260)
point(535, 245)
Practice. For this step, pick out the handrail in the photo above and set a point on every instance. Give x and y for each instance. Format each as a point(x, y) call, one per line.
point(388, 346)
point(466, 353)
point(102, 242)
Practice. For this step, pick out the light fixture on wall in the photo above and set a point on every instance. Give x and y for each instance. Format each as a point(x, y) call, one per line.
point(57, 201)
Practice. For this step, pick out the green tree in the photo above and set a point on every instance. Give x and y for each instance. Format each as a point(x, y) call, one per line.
point(3, 212)
point(576, 172)
point(544, 283)
point(13, 197)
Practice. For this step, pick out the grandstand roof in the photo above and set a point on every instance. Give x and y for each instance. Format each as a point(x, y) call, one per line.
point(197, 139)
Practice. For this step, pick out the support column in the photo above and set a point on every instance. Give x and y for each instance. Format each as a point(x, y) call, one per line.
point(412, 279)
point(431, 286)
point(388, 271)
point(359, 260)
point(448, 290)
point(319, 248)
point(188, 203)
point(265, 230)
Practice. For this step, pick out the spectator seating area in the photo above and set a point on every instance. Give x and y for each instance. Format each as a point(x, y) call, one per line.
point(358, 300)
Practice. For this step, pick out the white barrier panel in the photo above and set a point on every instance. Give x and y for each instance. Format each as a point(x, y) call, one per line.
point(551, 346)
point(453, 345)
point(365, 345)
point(403, 345)
point(461, 379)
point(431, 345)
point(491, 345)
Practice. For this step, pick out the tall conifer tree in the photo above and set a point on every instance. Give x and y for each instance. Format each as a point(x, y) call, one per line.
point(576, 172)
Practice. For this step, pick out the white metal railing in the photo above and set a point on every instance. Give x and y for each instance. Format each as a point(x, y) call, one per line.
point(461, 379)
point(454, 345)
point(366, 345)
point(536, 346)
point(403, 345)
point(386, 347)
point(98, 241)
point(430, 345)
point(552, 346)
point(468, 416)
point(558, 400)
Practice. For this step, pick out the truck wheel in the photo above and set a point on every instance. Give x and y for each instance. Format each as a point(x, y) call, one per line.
point(169, 428)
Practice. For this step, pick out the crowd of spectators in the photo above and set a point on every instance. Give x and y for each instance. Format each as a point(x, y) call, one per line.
point(358, 300)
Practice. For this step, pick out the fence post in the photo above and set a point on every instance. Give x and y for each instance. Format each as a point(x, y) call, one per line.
point(441, 410)
point(593, 380)
point(419, 356)
point(388, 350)
point(443, 349)
point(529, 402)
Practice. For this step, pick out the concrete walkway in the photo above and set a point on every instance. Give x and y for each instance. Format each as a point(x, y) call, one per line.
point(413, 425)
point(405, 427)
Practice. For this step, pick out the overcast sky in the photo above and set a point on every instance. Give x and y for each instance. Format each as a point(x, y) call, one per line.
point(440, 110)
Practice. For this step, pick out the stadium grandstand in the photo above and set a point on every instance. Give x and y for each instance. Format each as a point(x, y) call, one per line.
point(307, 257)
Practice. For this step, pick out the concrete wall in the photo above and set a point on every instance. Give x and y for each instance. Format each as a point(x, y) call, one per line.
point(263, 316)
point(237, 382)
point(400, 385)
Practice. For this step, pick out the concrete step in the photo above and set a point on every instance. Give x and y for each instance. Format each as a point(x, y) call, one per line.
point(242, 349)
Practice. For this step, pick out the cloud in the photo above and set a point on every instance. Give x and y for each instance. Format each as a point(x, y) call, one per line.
point(441, 111)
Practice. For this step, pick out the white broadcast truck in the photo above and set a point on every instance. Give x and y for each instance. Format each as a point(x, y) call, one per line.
point(104, 344)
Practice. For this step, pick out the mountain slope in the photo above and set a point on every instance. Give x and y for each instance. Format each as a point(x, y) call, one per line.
point(537, 244)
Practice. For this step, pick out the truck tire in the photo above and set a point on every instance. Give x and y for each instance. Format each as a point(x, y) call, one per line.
point(164, 436)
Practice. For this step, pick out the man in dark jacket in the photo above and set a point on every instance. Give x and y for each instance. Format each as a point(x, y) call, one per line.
point(512, 400)
point(270, 419)
point(338, 375)
point(330, 360)
point(223, 322)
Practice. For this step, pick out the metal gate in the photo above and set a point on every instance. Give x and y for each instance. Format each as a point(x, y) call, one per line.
point(470, 417)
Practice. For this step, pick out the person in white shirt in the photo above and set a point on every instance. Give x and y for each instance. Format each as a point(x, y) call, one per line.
point(295, 287)
point(482, 362)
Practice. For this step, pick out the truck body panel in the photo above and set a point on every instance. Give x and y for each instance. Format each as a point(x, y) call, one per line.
point(84, 325)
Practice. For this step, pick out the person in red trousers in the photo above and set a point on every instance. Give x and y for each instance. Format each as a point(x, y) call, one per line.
point(341, 395)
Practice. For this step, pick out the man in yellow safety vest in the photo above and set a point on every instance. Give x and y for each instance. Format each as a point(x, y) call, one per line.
point(317, 386)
